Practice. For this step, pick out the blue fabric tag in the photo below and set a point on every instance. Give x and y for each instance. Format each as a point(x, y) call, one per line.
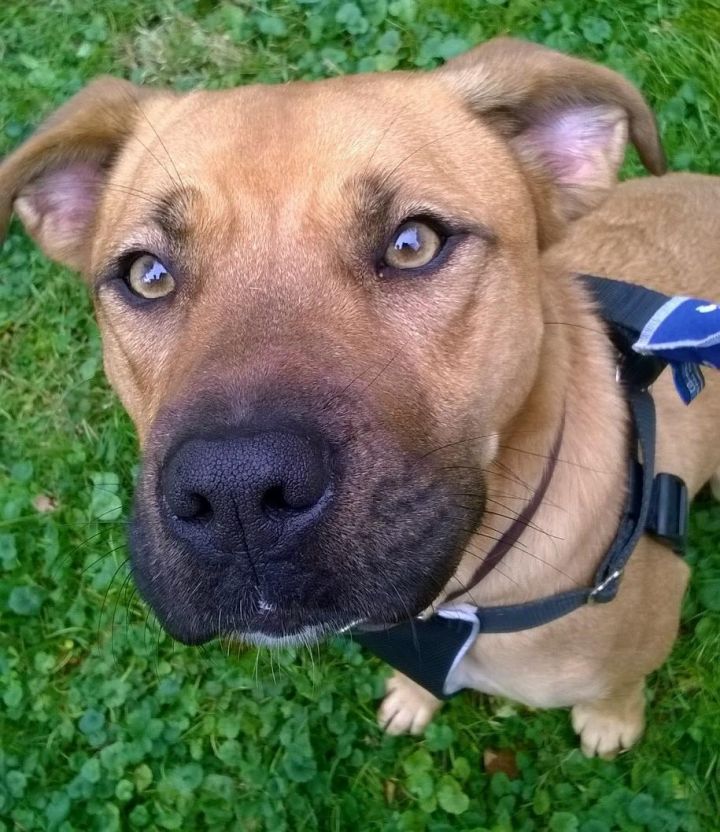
point(688, 380)
point(685, 332)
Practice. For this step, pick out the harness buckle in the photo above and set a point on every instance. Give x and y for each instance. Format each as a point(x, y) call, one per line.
point(669, 508)
point(605, 591)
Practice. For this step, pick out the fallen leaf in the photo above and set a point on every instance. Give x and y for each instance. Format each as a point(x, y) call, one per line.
point(503, 759)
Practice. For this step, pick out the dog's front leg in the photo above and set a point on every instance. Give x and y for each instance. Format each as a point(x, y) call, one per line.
point(407, 707)
point(613, 723)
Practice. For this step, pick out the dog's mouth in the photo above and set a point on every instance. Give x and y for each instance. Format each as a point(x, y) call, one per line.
point(308, 634)
point(268, 625)
point(230, 606)
point(305, 636)
point(281, 633)
point(272, 626)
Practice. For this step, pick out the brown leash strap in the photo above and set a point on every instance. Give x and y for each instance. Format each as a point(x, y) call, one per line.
point(521, 522)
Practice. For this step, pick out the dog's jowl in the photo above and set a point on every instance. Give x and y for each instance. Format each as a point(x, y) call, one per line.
point(345, 319)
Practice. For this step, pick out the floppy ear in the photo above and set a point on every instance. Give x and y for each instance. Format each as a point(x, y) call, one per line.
point(567, 120)
point(54, 181)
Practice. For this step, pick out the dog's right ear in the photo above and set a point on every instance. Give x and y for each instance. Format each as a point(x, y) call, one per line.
point(566, 120)
point(54, 181)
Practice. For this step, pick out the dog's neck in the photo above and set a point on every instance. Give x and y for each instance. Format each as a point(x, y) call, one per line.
point(565, 539)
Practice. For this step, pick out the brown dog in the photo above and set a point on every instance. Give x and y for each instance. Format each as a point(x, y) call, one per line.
point(342, 318)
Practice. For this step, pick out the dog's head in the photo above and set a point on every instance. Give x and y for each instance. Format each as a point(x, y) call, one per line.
point(310, 297)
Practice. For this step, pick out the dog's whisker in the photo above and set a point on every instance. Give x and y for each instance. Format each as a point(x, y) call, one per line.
point(469, 439)
point(514, 518)
point(157, 653)
point(519, 545)
point(126, 190)
point(66, 392)
point(145, 629)
point(382, 370)
point(338, 395)
point(512, 477)
point(59, 562)
point(179, 182)
point(386, 177)
point(576, 325)
point(482, 556)
point(133, 101)
point(122, 564)
point(102, 557)
point(459, 442)
point(464, 587)
point(374, 363)
point(511, 474)
point(385, 132)
point(478, 468)
point(552, 538)
point(514, 513)
point(409, 617)
point(128, 611)
point(559, 460)
point(75, 524)
point(271, 654)
point(523, 550)
point(123, 588)
point(256, 670)
point(496, 494)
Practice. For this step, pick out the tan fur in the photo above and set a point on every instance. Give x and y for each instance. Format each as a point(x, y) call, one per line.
point(278, 293)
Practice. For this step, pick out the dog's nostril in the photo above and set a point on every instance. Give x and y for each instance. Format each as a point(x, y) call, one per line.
point(195, 507)
point(274, 502)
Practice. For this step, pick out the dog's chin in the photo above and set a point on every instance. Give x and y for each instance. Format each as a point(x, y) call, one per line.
point(310, 634)
point(277, 630)
point(266, 629)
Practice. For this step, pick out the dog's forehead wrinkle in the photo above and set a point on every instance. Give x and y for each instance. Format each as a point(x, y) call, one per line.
point(173, 209)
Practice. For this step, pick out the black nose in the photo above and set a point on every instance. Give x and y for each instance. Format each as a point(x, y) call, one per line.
point(258, 492)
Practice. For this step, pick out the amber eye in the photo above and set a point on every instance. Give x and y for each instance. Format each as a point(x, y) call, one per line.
point(149, 279)
point(414, 244)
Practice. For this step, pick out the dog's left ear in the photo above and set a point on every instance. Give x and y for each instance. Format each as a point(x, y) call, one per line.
point(56, 179)
point(567, 120)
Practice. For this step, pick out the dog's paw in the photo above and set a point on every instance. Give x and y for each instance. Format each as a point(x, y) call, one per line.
point(407, 708)
point(604, 730)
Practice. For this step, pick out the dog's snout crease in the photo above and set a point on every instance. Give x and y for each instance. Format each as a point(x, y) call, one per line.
point(245, 491)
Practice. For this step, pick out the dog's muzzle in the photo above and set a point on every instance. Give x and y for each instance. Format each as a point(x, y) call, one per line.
point(271, 520)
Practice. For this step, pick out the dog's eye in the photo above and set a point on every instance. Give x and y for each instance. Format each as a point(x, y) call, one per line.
point(414, 244)
point(149, 279)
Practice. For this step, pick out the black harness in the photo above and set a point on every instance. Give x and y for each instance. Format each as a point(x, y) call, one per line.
point(429, 649)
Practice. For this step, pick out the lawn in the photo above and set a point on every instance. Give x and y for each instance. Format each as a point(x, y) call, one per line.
point(105, 723)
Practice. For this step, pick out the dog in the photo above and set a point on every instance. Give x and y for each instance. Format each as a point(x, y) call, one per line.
point(343, 318)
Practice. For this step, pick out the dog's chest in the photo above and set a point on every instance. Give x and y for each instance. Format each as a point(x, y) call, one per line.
point(516, 666)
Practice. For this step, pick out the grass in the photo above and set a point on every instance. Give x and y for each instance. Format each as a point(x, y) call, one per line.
point(105, 724)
